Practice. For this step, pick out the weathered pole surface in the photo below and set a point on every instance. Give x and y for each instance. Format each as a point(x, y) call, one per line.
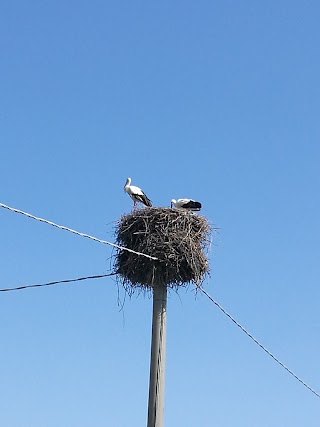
point(158, 353)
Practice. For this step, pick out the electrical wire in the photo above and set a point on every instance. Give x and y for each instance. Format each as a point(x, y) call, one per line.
point(258, 343)
point(62, 227)
point(150, 257)
point(38, 285)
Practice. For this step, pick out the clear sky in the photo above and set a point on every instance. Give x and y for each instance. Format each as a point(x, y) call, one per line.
point(214, 100)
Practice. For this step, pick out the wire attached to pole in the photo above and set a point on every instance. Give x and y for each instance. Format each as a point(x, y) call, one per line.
point(258, 343)
point(63, 227)
point(38, 285)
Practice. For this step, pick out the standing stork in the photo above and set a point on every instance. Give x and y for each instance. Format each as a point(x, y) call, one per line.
point(136, 194)
point(188, 204)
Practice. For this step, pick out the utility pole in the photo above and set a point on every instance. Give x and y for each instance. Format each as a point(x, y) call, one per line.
point(158, 353)
point(150, 256)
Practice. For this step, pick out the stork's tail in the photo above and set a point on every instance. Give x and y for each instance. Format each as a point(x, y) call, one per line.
point(146, 201)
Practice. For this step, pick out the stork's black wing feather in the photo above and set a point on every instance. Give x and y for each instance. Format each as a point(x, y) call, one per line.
point(192, 204)
point(143, 199)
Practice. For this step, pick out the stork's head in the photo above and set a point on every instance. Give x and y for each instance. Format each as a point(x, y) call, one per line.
point(128, 182)
point(173, 202)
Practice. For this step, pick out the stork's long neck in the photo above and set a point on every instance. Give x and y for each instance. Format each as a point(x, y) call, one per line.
point(127, 184)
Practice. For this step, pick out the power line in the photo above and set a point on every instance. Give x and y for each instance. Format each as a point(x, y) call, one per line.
point(38, 285)
point(258, 343)
point(62, 227)
point(111, 274)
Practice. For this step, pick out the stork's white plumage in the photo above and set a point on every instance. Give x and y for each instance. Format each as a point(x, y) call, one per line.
point(188, 204)
point(136, 194)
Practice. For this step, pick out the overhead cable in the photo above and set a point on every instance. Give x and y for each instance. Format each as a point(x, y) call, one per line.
point(258, 343)
point(63, 227)
point(56, 282)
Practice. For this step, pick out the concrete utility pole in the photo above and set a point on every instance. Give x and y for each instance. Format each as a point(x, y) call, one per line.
point(158, 352)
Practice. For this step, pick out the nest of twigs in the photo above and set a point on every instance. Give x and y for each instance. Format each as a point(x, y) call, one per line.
point(177, 240)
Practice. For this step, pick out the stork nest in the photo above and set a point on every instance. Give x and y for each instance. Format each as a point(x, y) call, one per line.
point(177, 240)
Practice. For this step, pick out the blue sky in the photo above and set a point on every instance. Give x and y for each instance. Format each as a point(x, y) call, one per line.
point(218, 101)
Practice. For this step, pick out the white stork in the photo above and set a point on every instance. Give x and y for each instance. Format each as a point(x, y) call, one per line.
point(188, 204)
point(136, 194)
